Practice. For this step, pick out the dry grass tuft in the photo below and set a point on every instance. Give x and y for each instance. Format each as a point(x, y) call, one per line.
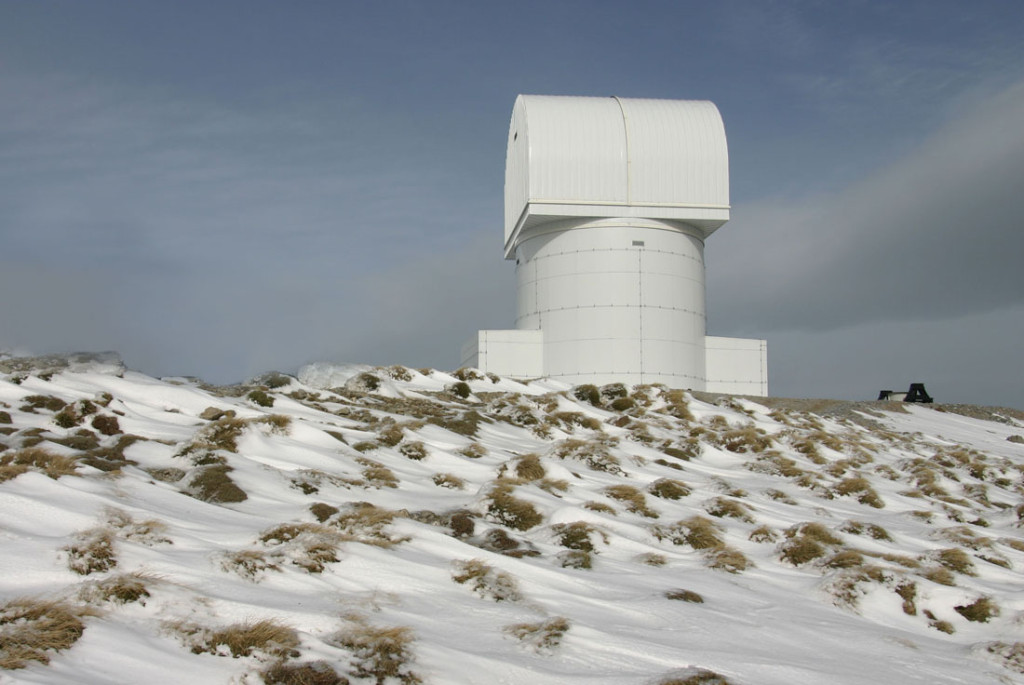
point(684, 596)
point(92, 552)
point(309, 673)
point(486, 581)
point(978, 611)
point(575, 558)
point(806, 542)
point(696, 531)
point(125, 588)
point(668, 488)
point(249, 563)
point(473, 450)
point(511, 511)
point(31, 629)
point(721, 507)
point(600, 507)
point(528, 467)
point(211, 483)
point(376, 474)
point(633, 498)
point(576, 535)
point(908, 593)
point(652, 559)
point(1011, 655)
point(365, 523)
point(18, 462)
point(266, 637)
point(379, 652)
point(448, 480)
point(957, 560)
point(543, 636)
point(697, 676)
point(725, 558)
point(861, 489)
point(763, 534)
point(322, 511)
point(744, 439)
point(593, 453)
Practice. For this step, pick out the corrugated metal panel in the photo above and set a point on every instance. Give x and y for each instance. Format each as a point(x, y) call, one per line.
point(577, 149)
point(677, 153)
point(516, 167)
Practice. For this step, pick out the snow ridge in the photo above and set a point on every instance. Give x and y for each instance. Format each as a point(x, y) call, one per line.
point(388, 525)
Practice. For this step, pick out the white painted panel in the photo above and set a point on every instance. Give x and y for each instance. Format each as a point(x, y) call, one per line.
point(737, 365)
point(514, 353)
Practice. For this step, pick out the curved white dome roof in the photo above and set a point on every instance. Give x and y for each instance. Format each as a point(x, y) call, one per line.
point(615, 157)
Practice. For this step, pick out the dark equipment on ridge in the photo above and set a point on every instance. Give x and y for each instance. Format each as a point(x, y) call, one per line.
point(917, 393)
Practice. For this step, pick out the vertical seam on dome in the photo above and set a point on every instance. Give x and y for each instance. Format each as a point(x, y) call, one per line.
point(629, 153)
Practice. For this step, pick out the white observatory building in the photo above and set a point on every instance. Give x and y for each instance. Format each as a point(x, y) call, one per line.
point(608, 202)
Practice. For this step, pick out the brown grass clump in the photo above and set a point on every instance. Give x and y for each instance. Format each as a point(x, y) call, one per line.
point(908, 593)
point(379, 652)
point(594, 454)
point(1012, 655)
point(721, 507)
point(448, 480)
point(941, 626)
point(697, 676)
point(575, 558)
point(744, 439)
point(652, 559)
point(862, 489)
point(124, 588)
point(873, 530)
point(696, 531)
point(93, 552)
point(955, 559)
point(32, 629)
point(847, 558)
point(763, 534)
point(249, 563)
point(15, 463)
point(528, 467)
point(486, 581)
point(633, 498)
point(543, 636)
point(221, 434)
point(322, 511)
point(576, 535)
point(600, 507)
point(376, 474)
point(725, 558)
point(415, 450)
point(48, 402)
point(243, 639)
point(212, 484)
point(978, 611)
point(807, 542)
point(668, 488)
point(512, 511)
point(308, 673)
point(473, 450)
point(365, 523)
point(684, 596)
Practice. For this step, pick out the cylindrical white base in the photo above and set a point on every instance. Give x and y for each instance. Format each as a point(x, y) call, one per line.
point(618, 300)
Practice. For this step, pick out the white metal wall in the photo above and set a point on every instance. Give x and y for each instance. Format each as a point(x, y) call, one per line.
point(617, 300)
point(615, 157)
point(737, 366)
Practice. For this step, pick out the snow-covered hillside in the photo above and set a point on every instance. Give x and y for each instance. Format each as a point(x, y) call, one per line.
point(389, 525)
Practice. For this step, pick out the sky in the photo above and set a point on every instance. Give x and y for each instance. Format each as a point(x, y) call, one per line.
point(221, 189)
